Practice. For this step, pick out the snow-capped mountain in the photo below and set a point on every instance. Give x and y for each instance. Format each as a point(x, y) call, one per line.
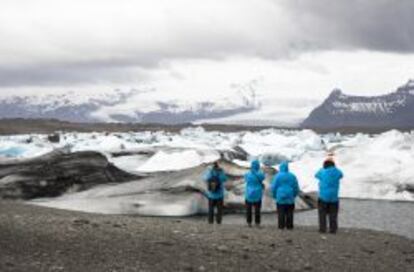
point(126, 106)
point(394, 110)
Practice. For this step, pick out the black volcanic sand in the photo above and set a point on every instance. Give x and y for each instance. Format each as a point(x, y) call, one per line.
point(49, 126)
point(41, 239)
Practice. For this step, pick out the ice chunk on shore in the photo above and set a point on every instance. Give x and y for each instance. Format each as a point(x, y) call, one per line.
point(20, 147)
point(12, 152)
point(170, 161)
point(377, 167)
point(284, 144)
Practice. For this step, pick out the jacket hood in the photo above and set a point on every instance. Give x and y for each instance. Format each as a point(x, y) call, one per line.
point(284, 167)
point(255, 166)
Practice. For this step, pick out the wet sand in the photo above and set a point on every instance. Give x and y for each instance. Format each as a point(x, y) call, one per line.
point(42, 239)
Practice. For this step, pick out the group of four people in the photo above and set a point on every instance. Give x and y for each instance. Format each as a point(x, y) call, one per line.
point(284, 189)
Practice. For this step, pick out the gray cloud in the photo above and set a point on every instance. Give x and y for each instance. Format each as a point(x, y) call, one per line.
point(75, 42)
point(70, 74)
point(381, 25)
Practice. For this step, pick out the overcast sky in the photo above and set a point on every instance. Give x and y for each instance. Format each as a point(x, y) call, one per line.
point(293, 48)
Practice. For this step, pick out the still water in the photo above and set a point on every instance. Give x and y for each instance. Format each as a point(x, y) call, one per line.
point(389, 216)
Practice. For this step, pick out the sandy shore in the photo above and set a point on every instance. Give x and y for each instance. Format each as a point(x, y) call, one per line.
point(42, 239)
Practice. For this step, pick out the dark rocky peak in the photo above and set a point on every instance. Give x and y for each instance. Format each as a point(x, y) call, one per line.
point(336, 94)
point(407, 88)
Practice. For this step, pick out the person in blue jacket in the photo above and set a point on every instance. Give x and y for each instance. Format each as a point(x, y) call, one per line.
point(284, 189)
point(328, 203)
point(253, 192)
point(215, 179)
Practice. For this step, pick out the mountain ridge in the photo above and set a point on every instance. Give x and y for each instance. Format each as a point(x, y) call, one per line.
point(123, 106)
point(395, 109)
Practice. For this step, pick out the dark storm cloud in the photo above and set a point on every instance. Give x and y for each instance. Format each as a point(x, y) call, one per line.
point(75, 42)
point(380, 25)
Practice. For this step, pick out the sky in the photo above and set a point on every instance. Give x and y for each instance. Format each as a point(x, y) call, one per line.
point(289, 49)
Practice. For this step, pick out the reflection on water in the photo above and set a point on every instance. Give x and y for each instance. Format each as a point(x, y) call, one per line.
point(393, 217)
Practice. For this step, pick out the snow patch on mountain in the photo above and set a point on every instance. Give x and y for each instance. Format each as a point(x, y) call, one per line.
point(379, 107)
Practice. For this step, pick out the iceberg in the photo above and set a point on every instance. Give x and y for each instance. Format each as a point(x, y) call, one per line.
point(176, 193)
point(170, 161)
point(12, 152)
point(375, 166)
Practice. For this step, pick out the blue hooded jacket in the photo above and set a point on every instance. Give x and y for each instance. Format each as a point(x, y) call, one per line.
point(285, 185)
point(254, 183)
point(329, 183)
point(221, 177)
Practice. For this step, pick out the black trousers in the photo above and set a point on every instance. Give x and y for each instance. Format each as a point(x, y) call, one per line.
point(212, 205)
point(249, 212)
point(330, 210)
point(285, 215)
